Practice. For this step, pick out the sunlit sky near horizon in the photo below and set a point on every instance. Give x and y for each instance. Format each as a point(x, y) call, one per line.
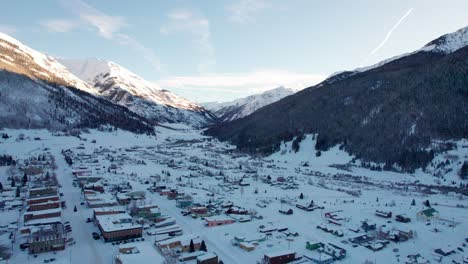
point(227, 49)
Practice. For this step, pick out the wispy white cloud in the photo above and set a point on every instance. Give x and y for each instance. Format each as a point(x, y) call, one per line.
point(246, 11)
point(109, 27)
point(59, 25)
point(9, 30)
point(208, 87)
point(106, 25)
point(148, 53)
point(389, 33)
point(184, 21)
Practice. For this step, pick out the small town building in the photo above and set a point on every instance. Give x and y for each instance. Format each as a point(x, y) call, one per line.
point(115, 227)
point(427, 214)
point(208, 258)
point(141, 253)
point(46, 238)
point(218, 220)
point(279, 257)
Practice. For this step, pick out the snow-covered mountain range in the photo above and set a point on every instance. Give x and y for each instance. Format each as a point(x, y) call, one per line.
point(103, 79)
point(36, 91)
point(120, 86)
point(386, 113)
point(17, 57)
point(239, 108)
point(445, 44)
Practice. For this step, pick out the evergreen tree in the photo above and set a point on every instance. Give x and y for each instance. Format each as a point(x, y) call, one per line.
point(17, 191)
point(192, 246)
point(25, 178)
point(13, 183)
point(464, 170)
point(75, 209)
point(426, 203)
point(203, 246)
point(301, 196)
point(413, 203)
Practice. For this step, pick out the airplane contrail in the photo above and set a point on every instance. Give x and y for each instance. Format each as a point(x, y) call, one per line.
point(389, 33)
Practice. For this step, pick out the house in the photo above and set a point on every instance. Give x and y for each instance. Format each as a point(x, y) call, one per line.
point(402, 219)
point(383, 214)
point(313, 245)
point(279, 257)
point(208, 258)
point(444, 251)
point(247, 246)
point(94, 187)
point(141, 253)
point(184, 202)
point(368, 226)
point(416, 259)
point(148, 211)
point(123, 199)
point(199, 210)
point(251, 238)
point(427, 214)
point(338, 253)
point(182, 242)
point(46, 238)
point(118, 227)
point(319, 258)
point(218, 220)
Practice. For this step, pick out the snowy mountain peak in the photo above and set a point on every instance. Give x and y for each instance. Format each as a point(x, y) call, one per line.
point(19, 58)
point(229, 111)
point(123, 87)
point(449, 43)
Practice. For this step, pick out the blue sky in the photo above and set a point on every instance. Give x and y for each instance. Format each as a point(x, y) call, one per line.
point(226, 49)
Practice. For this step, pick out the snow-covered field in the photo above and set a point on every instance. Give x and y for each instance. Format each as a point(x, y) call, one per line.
point(210, 171)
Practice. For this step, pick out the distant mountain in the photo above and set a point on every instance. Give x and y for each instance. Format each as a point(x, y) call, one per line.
point(120, 86)
point(36, 91)
point(229, 111)
point(390, 113)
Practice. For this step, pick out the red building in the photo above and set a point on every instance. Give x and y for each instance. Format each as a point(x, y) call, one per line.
point(218, 220)
point(42, 214)
point(43, 199)
point(279, 257)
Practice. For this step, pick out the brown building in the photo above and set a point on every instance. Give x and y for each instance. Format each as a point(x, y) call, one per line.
point(46, 238)
point(115, 227)
point(43, 206)
point(182, 242)
point(41, 192)
point(201, 210)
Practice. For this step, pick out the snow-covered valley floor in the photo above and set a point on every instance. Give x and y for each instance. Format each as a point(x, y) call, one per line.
point(211, 171)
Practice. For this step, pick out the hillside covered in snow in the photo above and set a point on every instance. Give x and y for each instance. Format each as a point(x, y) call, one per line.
point(390, 113)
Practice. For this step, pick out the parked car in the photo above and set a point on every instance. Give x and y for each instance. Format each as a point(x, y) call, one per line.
point(96, 236)
point(24, 246)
